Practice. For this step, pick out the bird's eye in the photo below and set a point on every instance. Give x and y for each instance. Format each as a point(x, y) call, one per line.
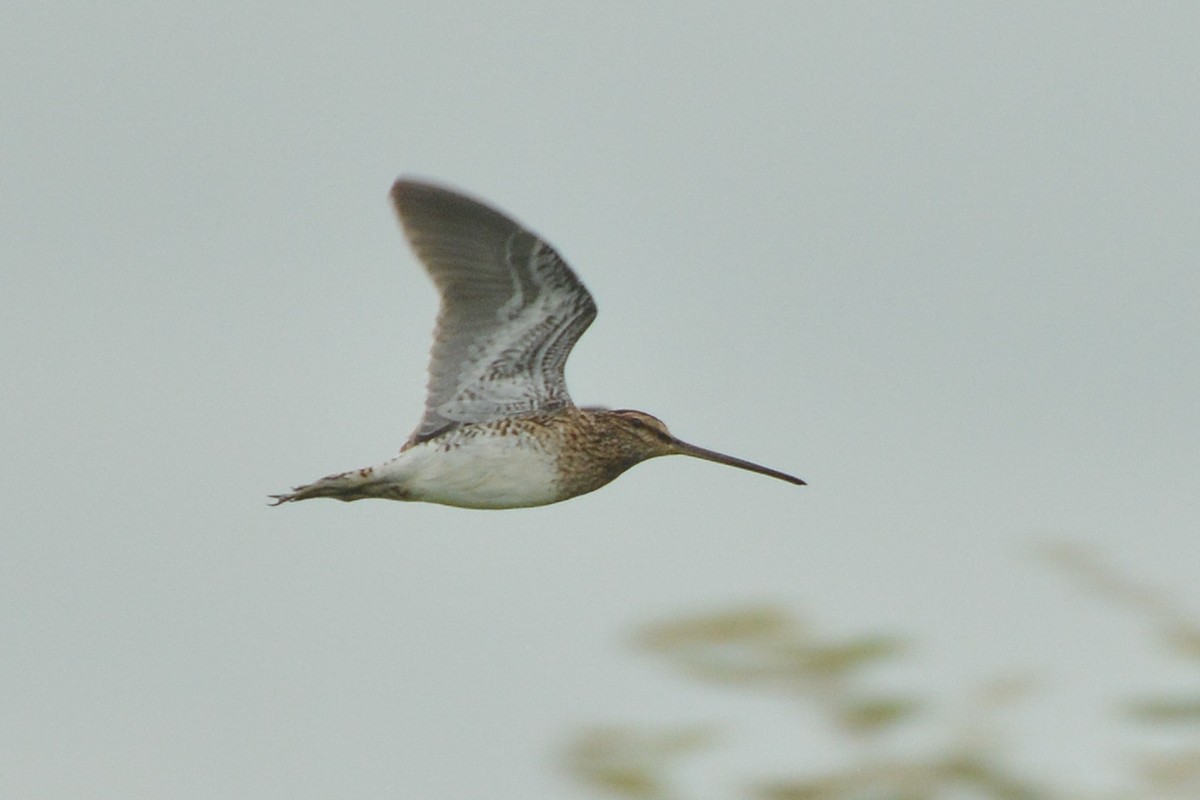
point(637, 423)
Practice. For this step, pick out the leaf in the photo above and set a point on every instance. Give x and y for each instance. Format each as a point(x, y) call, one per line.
point(738, 647)
point(631, 762)
point(835, 660)
point(737, 626)
point(980, 773)
point(874, 714)
point(1157, 710)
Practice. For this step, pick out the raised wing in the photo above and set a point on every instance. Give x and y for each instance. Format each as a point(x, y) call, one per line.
point(511, 310)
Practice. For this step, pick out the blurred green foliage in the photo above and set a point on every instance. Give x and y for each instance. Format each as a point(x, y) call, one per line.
point(766, 649)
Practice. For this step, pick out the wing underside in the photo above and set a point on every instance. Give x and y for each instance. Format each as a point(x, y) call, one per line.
point(511, 310)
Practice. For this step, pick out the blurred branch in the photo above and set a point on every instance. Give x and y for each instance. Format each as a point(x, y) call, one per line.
point(633, 763)
point(1180, 632)
point(766, 648)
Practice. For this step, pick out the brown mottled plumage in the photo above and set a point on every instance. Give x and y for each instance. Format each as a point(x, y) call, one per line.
point(500, 430)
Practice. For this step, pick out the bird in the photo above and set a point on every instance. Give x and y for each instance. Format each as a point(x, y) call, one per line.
point(499, 429)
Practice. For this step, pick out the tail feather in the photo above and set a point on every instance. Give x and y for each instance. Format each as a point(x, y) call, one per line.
point(345, 486)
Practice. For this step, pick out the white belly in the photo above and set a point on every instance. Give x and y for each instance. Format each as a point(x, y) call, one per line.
point(480, 472)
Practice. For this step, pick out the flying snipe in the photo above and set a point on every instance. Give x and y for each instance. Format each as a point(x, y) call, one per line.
point(500, 430)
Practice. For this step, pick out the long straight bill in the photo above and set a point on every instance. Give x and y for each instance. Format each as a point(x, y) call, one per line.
point(683, 448)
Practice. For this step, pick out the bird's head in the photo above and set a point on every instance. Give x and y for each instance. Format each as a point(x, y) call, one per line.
point(648, 437)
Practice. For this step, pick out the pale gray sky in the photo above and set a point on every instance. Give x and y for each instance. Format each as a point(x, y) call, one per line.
point(938, 259)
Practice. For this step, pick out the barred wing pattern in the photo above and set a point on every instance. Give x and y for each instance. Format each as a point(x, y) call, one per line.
point(511, 310)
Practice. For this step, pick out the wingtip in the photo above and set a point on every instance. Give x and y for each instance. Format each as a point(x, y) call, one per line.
point(408, 194)
point(407, 186)
point(401, 187)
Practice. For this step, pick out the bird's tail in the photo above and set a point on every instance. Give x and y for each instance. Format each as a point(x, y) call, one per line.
point(346, 486)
